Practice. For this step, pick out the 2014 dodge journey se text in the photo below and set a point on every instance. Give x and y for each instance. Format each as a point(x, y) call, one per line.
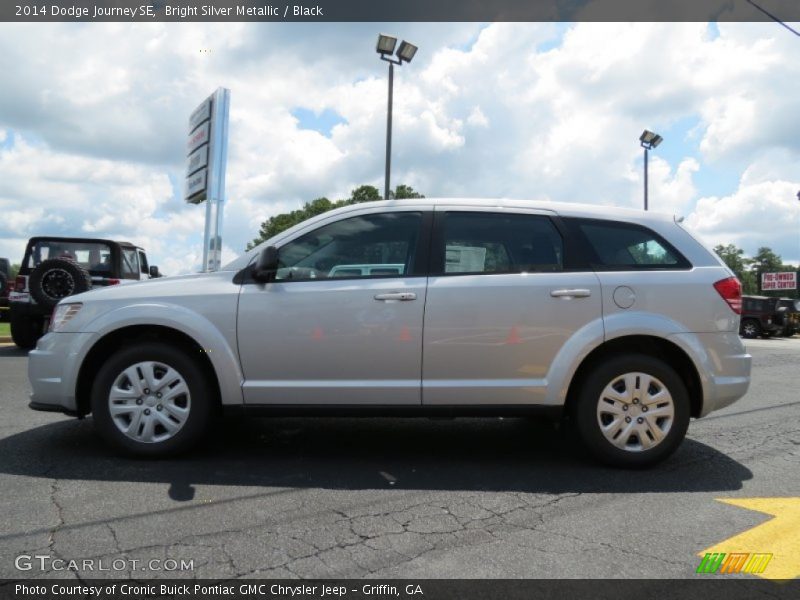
point(617, 319)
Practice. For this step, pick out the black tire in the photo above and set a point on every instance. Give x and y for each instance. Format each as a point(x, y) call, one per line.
point(57, 278)
point(750, 329)
point(203, 402)
point(587, 422)
point(25, 330)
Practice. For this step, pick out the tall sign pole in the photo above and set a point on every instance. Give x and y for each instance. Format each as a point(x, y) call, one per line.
point(206, 159)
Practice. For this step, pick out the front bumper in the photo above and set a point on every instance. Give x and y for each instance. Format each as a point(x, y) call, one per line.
point(53, 371)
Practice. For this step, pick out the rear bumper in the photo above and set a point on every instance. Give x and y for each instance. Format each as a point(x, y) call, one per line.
point(723, 364)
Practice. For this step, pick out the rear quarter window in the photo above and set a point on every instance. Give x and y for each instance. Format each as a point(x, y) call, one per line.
point(615, 245)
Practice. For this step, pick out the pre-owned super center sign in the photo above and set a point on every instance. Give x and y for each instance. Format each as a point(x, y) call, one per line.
point(779, 281)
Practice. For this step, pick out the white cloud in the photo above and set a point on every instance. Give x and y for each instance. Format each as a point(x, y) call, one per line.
point(757, 214)
point(98, 115)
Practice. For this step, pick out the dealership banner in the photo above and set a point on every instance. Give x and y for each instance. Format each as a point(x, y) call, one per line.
point(779, 281)
point(703, 587)
point(405, 10)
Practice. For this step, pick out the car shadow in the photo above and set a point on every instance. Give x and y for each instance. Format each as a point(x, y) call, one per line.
point(517, 455)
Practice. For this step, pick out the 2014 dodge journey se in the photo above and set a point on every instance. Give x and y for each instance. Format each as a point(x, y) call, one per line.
point(619, 320)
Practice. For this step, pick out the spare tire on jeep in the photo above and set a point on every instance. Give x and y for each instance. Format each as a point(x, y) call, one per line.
point(57, 278)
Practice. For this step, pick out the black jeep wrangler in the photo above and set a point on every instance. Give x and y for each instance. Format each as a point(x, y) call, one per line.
point(56, 267)
point(758, 317)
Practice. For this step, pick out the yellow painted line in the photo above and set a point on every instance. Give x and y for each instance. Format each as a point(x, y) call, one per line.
point(779, 536)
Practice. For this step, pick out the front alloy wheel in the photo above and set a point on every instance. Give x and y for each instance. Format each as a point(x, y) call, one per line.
point(149, 402)
point(153, 399)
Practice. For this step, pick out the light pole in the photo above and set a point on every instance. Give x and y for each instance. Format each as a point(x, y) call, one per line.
point(406, 51)
point(648, 140)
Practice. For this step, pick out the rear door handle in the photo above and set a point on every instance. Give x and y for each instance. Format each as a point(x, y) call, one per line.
point(402, 296)
point(576, 293)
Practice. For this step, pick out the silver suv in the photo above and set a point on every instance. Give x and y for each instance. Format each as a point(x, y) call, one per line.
point(619, 320)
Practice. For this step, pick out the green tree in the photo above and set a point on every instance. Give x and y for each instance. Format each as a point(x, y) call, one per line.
point(365, 193)
point(734, 257)
point(403, 192)
point(767, 261)
point(14, 268)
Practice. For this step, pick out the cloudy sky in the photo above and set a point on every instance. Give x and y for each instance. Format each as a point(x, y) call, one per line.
point(93, 123)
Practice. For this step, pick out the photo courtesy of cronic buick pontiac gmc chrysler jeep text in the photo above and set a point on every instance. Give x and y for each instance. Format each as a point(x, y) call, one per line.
point(618, 319)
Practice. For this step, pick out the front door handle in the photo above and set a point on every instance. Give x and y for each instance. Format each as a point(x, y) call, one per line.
point(575, 293)
point(402, 296)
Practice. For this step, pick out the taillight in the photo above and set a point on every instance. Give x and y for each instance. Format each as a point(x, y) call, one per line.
point(19, 283)
point(112, 281)
point(731, 291)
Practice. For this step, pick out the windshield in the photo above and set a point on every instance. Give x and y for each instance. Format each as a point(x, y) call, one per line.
point(95, 257)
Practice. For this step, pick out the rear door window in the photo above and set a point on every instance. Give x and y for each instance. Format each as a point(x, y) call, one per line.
point(626, 246)
point(484, 242)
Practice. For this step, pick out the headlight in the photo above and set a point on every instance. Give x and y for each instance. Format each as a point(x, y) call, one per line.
point(63, 314)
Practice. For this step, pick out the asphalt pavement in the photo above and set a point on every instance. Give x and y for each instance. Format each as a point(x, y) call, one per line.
point(410, 498)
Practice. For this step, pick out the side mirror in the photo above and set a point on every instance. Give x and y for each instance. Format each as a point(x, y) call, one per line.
point(266, 265)
point(154, 272)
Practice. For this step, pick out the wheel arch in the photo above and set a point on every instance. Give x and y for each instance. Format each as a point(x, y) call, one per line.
point(110, 342)
point(654, 346)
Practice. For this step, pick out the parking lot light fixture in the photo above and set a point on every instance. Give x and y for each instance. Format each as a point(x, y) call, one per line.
point(648, 140)
point(386, 44)
point(405, 53)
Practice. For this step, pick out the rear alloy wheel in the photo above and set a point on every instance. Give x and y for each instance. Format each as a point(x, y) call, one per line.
point(751, 329)
point(152, 400)
point(632, 411)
